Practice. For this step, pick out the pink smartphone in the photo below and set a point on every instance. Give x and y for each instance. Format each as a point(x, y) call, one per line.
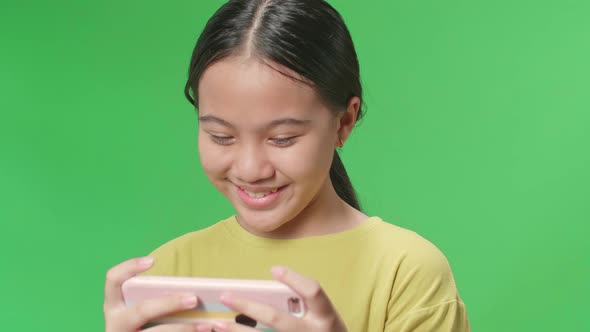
point(208, 290)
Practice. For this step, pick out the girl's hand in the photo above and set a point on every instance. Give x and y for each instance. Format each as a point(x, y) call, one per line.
point(119, 318)
point(321, 316)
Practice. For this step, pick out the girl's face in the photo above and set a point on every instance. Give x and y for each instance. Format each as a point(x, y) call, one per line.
point(266, 142)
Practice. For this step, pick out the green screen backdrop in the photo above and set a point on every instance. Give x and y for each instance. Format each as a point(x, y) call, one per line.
point(477, 136)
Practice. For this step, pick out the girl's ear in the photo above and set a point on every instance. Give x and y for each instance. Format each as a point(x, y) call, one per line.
point(346, 120)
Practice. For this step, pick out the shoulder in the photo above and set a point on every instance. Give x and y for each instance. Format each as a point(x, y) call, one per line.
point(416, 264)
point(422, 288)
point(175, 256)
point(410, 247)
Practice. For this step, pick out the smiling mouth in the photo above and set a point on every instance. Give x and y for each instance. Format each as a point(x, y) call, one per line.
point(259, 194)
point(259, 199)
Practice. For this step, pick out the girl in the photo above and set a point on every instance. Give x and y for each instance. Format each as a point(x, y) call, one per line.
point(276, 86)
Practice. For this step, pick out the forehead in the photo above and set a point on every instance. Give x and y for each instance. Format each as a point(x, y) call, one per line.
point(251, 88)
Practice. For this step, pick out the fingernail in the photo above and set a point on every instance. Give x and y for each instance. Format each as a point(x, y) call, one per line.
point(219, 326)
point(278, 271)
point(189, 301)
point(146, 261)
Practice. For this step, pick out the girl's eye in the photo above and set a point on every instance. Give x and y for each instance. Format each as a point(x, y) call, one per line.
point(282, 142)
point(222, 140)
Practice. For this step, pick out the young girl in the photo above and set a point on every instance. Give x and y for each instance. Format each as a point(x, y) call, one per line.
point(276, 87)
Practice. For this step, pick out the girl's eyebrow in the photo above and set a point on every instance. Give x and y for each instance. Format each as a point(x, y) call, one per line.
point(211, 118)
point(274, 123)
point(289, 121)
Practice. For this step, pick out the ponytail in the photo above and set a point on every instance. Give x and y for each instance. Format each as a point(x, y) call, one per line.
point(341, 182)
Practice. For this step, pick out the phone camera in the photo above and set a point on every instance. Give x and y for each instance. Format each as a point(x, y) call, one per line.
point(294, 305)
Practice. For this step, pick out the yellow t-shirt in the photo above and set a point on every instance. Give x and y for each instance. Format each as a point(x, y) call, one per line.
point(380, 277)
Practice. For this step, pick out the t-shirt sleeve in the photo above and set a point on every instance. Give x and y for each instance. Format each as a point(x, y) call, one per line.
point(424, 296)
point(449, 316)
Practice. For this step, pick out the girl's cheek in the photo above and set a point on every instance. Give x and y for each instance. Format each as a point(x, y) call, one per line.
point(214, 159)
point(303, 163)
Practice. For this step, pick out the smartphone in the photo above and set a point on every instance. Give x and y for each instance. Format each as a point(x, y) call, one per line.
point(208, 290)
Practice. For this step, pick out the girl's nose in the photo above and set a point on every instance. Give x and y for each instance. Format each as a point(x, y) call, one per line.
point(252, 165)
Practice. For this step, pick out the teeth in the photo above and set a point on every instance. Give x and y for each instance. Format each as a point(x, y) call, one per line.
point(256, 195)
point(260, 195)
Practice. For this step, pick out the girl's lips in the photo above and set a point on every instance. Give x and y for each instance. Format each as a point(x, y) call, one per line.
point(259, 203)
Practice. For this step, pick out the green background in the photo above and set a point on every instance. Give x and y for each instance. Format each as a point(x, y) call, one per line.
point(477, 136)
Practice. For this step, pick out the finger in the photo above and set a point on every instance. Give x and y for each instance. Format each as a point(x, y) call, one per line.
point(265, 314)
point(313, 295)
point(172, 328)
point(151, 309)
point(204, 327)
point(232, 327)
point(118, 274)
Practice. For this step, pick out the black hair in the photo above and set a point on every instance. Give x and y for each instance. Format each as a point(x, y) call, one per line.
point(309, 37)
